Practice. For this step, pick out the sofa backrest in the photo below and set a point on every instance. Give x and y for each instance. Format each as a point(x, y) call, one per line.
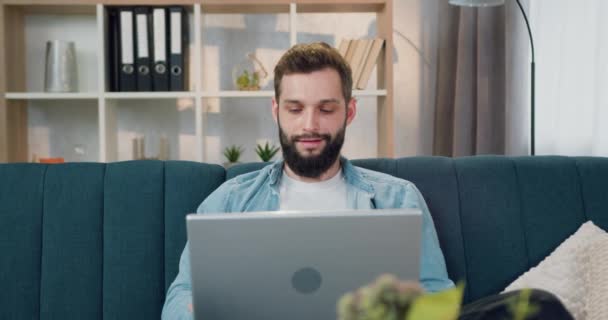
point(95, 241)
point(498, 216)
point(100, 241)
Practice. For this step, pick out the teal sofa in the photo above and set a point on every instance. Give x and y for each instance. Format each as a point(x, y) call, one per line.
point(102, 241)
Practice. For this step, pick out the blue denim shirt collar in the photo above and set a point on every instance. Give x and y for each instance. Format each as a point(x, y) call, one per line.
point(351, 176)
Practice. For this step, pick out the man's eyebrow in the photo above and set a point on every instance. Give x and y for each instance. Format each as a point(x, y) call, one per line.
point(292, 101)
point(322, 101)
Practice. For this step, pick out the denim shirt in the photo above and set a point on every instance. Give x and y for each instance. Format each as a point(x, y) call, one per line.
point(366, 189)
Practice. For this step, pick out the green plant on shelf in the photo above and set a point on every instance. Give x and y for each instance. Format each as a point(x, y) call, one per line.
point(266, 152)
point(233, 153)
point(248, 81)
point(248, 74)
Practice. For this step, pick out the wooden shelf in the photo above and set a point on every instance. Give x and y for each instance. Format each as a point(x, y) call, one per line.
point(240, 8)
point(14, 95)
point(369, 93)
point(270, 94)
point(239, 94)
point(149, 95)
point(51, 96)
point(162, 95)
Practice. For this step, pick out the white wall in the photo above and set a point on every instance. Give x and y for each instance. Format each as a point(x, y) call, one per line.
point(415, 39)
point(572, 75)
point(517, 115)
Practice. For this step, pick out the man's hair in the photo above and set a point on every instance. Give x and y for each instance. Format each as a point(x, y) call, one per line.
point(307, 58)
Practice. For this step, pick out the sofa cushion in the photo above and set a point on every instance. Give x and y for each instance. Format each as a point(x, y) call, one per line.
point(21, 189)
point(72, 242)
point(551, 202)
point(595, 258)
point(562, 272)
point(593, 172)
point(435, 178)
point(186, 185)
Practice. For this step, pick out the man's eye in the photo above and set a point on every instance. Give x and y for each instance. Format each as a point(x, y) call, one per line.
point(294, 110)
point(328, 111)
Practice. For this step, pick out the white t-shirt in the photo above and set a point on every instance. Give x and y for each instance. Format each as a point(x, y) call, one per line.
point(325, 195)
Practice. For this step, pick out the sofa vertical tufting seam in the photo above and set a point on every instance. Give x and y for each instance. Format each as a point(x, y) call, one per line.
point(521, 213)
point(464, 248)
point(103, 231)
point(46, 167)
point(580, 189)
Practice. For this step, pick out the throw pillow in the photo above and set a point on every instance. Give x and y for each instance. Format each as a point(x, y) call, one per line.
point(595, 258)
point(561, 273)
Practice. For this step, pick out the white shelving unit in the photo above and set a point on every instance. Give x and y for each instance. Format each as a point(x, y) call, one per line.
point(109, 102)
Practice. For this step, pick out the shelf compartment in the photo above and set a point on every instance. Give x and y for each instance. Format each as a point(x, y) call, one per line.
point(153, 119)
point(63, 128)
point(190, 44)
point(38, 24)
point(236, 121)
point(228, 39)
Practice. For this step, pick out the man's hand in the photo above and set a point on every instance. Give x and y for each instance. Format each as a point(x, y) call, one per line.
point(190, 307)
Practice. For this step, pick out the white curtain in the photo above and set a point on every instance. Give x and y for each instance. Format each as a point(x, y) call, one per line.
point(571, 39)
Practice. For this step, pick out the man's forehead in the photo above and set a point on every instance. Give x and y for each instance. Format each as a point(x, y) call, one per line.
point(321, 86)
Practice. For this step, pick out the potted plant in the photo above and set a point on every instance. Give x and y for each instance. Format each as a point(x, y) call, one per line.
point(389, 298)
point(249, 73)
point(266, 152)
point(232, 154)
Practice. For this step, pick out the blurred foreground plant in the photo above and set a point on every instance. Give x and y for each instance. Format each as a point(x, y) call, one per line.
point(387, 298)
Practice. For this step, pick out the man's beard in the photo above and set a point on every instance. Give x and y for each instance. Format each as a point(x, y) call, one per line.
point(315, 165)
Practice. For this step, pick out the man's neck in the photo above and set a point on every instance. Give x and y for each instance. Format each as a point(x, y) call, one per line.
point(330, 173)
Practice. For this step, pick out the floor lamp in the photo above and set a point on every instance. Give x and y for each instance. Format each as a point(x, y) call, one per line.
point(489, 3)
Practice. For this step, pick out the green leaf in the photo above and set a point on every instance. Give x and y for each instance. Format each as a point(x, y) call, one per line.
point(243, 80)
point(444, 305)
point(266, 152)
point(233, 153)
point(520, 306)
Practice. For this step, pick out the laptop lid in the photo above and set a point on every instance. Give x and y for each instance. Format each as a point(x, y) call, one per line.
point(295, 265)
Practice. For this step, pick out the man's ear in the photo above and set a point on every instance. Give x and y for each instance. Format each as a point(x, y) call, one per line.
point(351, 110)
point(275, 110)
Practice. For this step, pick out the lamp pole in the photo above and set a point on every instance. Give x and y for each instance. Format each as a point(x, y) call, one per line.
point(532, 86)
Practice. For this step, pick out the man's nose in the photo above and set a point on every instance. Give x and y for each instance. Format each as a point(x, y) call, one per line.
point(311, 121)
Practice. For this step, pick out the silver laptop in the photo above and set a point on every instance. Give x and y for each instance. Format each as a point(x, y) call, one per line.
point(295, 265)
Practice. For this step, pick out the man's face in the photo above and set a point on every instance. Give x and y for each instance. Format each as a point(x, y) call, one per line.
point(312, 117)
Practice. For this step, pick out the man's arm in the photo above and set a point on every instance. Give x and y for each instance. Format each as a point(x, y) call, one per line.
point(433, 271)
point(178, 303)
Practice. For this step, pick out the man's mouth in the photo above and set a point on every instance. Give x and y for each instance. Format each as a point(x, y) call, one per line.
point(310, 142)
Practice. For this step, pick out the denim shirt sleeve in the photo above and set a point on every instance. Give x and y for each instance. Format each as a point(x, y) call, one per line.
point(179, 294)
point(433, 271)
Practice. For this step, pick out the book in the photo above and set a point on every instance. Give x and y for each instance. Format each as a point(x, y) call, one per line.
point(343, 47)
point(358, 58)
point(348, 56)
point(370, 61)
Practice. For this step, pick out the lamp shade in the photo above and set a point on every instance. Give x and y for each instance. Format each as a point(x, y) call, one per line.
point(477, 3)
